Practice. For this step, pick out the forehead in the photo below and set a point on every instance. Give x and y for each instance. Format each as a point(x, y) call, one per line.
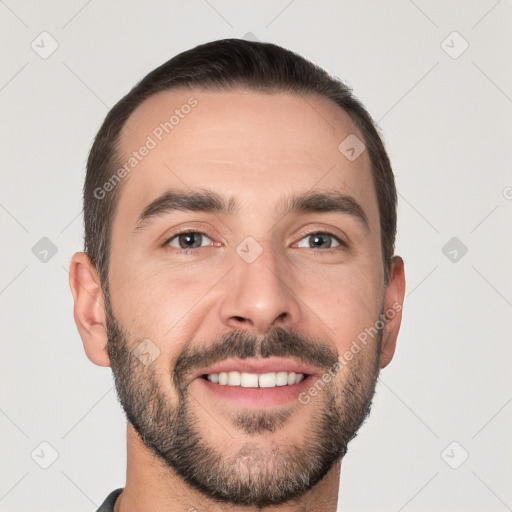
point(252, 145)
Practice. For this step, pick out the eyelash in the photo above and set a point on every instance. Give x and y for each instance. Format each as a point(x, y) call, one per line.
point(185, 251)
point(343, 245)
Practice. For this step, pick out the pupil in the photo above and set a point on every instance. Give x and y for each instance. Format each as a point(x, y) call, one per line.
point(188, 240)
point(319, 241)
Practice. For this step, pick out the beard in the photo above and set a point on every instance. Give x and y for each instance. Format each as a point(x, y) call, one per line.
point(253, 476)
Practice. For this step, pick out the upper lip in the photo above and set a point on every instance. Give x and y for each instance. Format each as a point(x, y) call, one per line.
point(267, 365)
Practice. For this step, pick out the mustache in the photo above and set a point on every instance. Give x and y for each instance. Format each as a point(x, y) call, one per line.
point(279, 342)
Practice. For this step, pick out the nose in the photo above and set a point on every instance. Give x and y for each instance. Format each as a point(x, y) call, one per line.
point(259, 296)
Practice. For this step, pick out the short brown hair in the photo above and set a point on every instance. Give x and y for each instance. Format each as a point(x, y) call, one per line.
point(226, 65)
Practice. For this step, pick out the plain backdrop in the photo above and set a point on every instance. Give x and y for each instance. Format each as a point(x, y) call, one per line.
point(436, 76)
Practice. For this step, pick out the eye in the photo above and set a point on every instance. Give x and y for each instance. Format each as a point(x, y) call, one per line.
point(190, 240)
point(320, 241)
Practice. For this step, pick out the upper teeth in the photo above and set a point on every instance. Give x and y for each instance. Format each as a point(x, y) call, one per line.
point(253, 380)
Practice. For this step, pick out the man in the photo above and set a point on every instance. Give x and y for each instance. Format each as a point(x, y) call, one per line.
point(239, 278)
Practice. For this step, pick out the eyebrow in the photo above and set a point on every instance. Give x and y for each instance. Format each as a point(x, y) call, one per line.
point(331, 202)
point(171, 201)
point(210, 202)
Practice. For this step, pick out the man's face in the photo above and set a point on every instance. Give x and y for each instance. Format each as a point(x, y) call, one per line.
point(252, 277)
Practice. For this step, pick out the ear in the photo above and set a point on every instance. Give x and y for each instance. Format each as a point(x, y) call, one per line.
point(89, 308)
point(393, 302)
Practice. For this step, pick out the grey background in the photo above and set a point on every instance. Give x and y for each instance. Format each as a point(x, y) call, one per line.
point(447, 124)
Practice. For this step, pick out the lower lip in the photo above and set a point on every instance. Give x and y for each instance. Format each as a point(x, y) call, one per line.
point(257, 397)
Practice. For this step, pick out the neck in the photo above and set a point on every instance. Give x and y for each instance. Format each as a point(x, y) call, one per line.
point(152, 486)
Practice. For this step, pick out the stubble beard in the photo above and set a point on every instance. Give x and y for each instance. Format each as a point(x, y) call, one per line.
point(261, 472)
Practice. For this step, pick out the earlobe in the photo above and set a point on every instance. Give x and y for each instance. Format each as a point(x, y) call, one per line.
point(89, 309)
point(392, 310)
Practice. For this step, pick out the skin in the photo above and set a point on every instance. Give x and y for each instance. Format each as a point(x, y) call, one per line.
point(256, 148)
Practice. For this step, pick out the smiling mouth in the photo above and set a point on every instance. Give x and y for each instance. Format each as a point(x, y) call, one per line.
point(255, 390)
point(255, 380)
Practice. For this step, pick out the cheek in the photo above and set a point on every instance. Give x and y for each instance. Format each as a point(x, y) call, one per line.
point(346, 299)
point(157, 302)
